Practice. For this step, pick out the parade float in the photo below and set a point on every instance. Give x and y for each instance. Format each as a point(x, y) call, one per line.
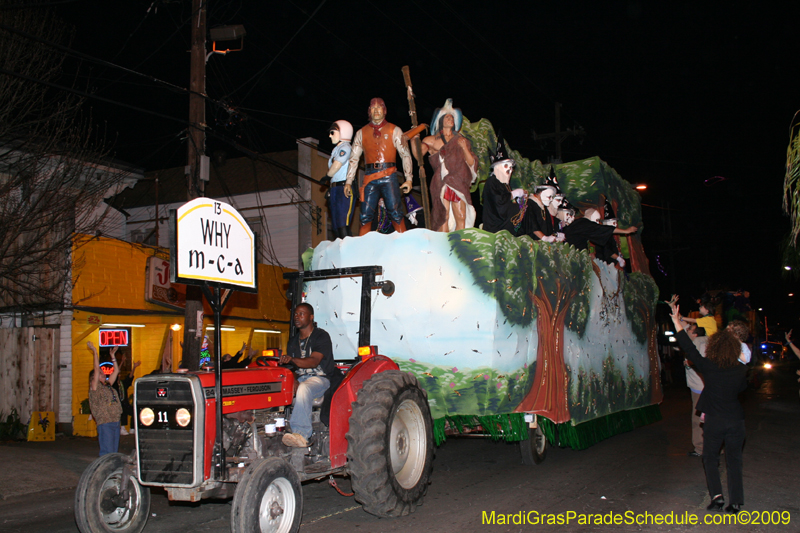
point(497, 327)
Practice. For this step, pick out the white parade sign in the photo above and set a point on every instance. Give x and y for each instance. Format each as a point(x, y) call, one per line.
point(213, 243)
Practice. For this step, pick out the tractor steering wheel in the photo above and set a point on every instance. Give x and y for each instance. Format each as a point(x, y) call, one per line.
point(264, 360)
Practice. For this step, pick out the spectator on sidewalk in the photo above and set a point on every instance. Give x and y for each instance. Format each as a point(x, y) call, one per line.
point(706, 320)
point(724, 378)
point(234, 362)
point(695, 383)
point(104, 402)
point(122, 386)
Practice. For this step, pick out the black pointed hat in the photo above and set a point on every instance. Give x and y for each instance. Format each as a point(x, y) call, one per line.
point(566, 205)
point(500, 153)
point(552, 181)
point(608, 211)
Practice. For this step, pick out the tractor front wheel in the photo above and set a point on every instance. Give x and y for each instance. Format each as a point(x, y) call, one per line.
point(269, 499)
point(101, 505)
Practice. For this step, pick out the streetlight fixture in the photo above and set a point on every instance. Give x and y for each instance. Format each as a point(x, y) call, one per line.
point(234, 32)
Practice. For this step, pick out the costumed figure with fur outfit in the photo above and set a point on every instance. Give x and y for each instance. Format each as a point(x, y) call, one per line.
point(380, 142)
point(455, 170)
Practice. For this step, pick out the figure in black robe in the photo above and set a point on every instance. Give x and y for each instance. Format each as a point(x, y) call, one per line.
point(499, 208)
point(583, 230)
point(537, 219)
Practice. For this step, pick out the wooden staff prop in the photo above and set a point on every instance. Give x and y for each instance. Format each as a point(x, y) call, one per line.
point(423, 180)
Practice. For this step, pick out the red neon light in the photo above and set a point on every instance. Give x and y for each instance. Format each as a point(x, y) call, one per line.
point(113, 337)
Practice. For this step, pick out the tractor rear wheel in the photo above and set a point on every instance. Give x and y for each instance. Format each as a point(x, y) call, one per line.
point(390, 444)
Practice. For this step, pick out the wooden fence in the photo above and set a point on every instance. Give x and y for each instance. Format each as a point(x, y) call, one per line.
point(28, 370)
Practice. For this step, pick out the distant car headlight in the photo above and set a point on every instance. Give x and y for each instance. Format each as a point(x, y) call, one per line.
point(183, 417)
point(767, 365)
point(146, 416)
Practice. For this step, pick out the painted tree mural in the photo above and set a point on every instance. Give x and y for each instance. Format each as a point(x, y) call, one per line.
point(561, 298)
point(641, 295)
point(502, 266)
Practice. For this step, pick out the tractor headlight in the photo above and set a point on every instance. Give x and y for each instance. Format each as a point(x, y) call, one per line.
point(183, 417)
point(146, 416)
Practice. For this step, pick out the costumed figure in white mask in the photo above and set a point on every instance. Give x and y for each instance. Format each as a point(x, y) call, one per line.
point(608, 252)
point(500, 210)
point(538, 223)
point(582, 230)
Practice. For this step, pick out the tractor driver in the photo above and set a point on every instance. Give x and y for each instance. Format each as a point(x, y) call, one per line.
point(311, 351)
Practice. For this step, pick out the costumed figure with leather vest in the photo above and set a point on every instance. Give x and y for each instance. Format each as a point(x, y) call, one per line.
point(380, 143)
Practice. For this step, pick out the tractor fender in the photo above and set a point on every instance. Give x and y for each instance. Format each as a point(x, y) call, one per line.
point(343, 398)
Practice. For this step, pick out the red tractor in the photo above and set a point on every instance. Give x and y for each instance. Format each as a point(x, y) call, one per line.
point(379, 433)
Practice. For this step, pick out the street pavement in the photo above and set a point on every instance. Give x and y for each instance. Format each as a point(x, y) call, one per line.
point(644, 470)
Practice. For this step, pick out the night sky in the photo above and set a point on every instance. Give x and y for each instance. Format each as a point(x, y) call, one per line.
point(694, 99)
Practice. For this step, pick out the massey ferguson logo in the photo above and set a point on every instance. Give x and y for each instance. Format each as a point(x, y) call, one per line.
point(162, 392)
point(244, 390)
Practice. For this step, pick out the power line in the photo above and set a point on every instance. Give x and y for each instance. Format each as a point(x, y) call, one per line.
point(87, 57)
point(35, 6)
point(268, 65)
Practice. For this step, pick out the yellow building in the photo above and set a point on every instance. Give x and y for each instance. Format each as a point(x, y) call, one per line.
point(116, 286)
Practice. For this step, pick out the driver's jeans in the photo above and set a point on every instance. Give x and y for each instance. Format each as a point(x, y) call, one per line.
point(310, 387)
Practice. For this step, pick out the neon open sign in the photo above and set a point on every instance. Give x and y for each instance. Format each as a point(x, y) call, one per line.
point(114, 337)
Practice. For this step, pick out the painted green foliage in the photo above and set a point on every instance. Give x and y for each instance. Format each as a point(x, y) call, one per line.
point(509, 268)
point(583, 182)
point(641, 294)
point(502, 266)
point(593, 395)
point(479, 391)
point(484, 139)
point(560, 267)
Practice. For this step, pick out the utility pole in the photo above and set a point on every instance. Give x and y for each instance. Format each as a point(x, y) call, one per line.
point(196, 175)
point(559, 136)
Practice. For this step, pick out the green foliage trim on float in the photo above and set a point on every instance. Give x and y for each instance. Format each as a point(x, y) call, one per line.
point(583, 182)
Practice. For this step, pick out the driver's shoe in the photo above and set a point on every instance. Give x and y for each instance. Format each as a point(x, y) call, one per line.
point(295, 440)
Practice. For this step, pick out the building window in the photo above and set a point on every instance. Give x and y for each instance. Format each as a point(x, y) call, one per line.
point(144, 236)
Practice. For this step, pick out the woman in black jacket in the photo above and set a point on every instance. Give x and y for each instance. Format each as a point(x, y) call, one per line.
point(725, 378)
